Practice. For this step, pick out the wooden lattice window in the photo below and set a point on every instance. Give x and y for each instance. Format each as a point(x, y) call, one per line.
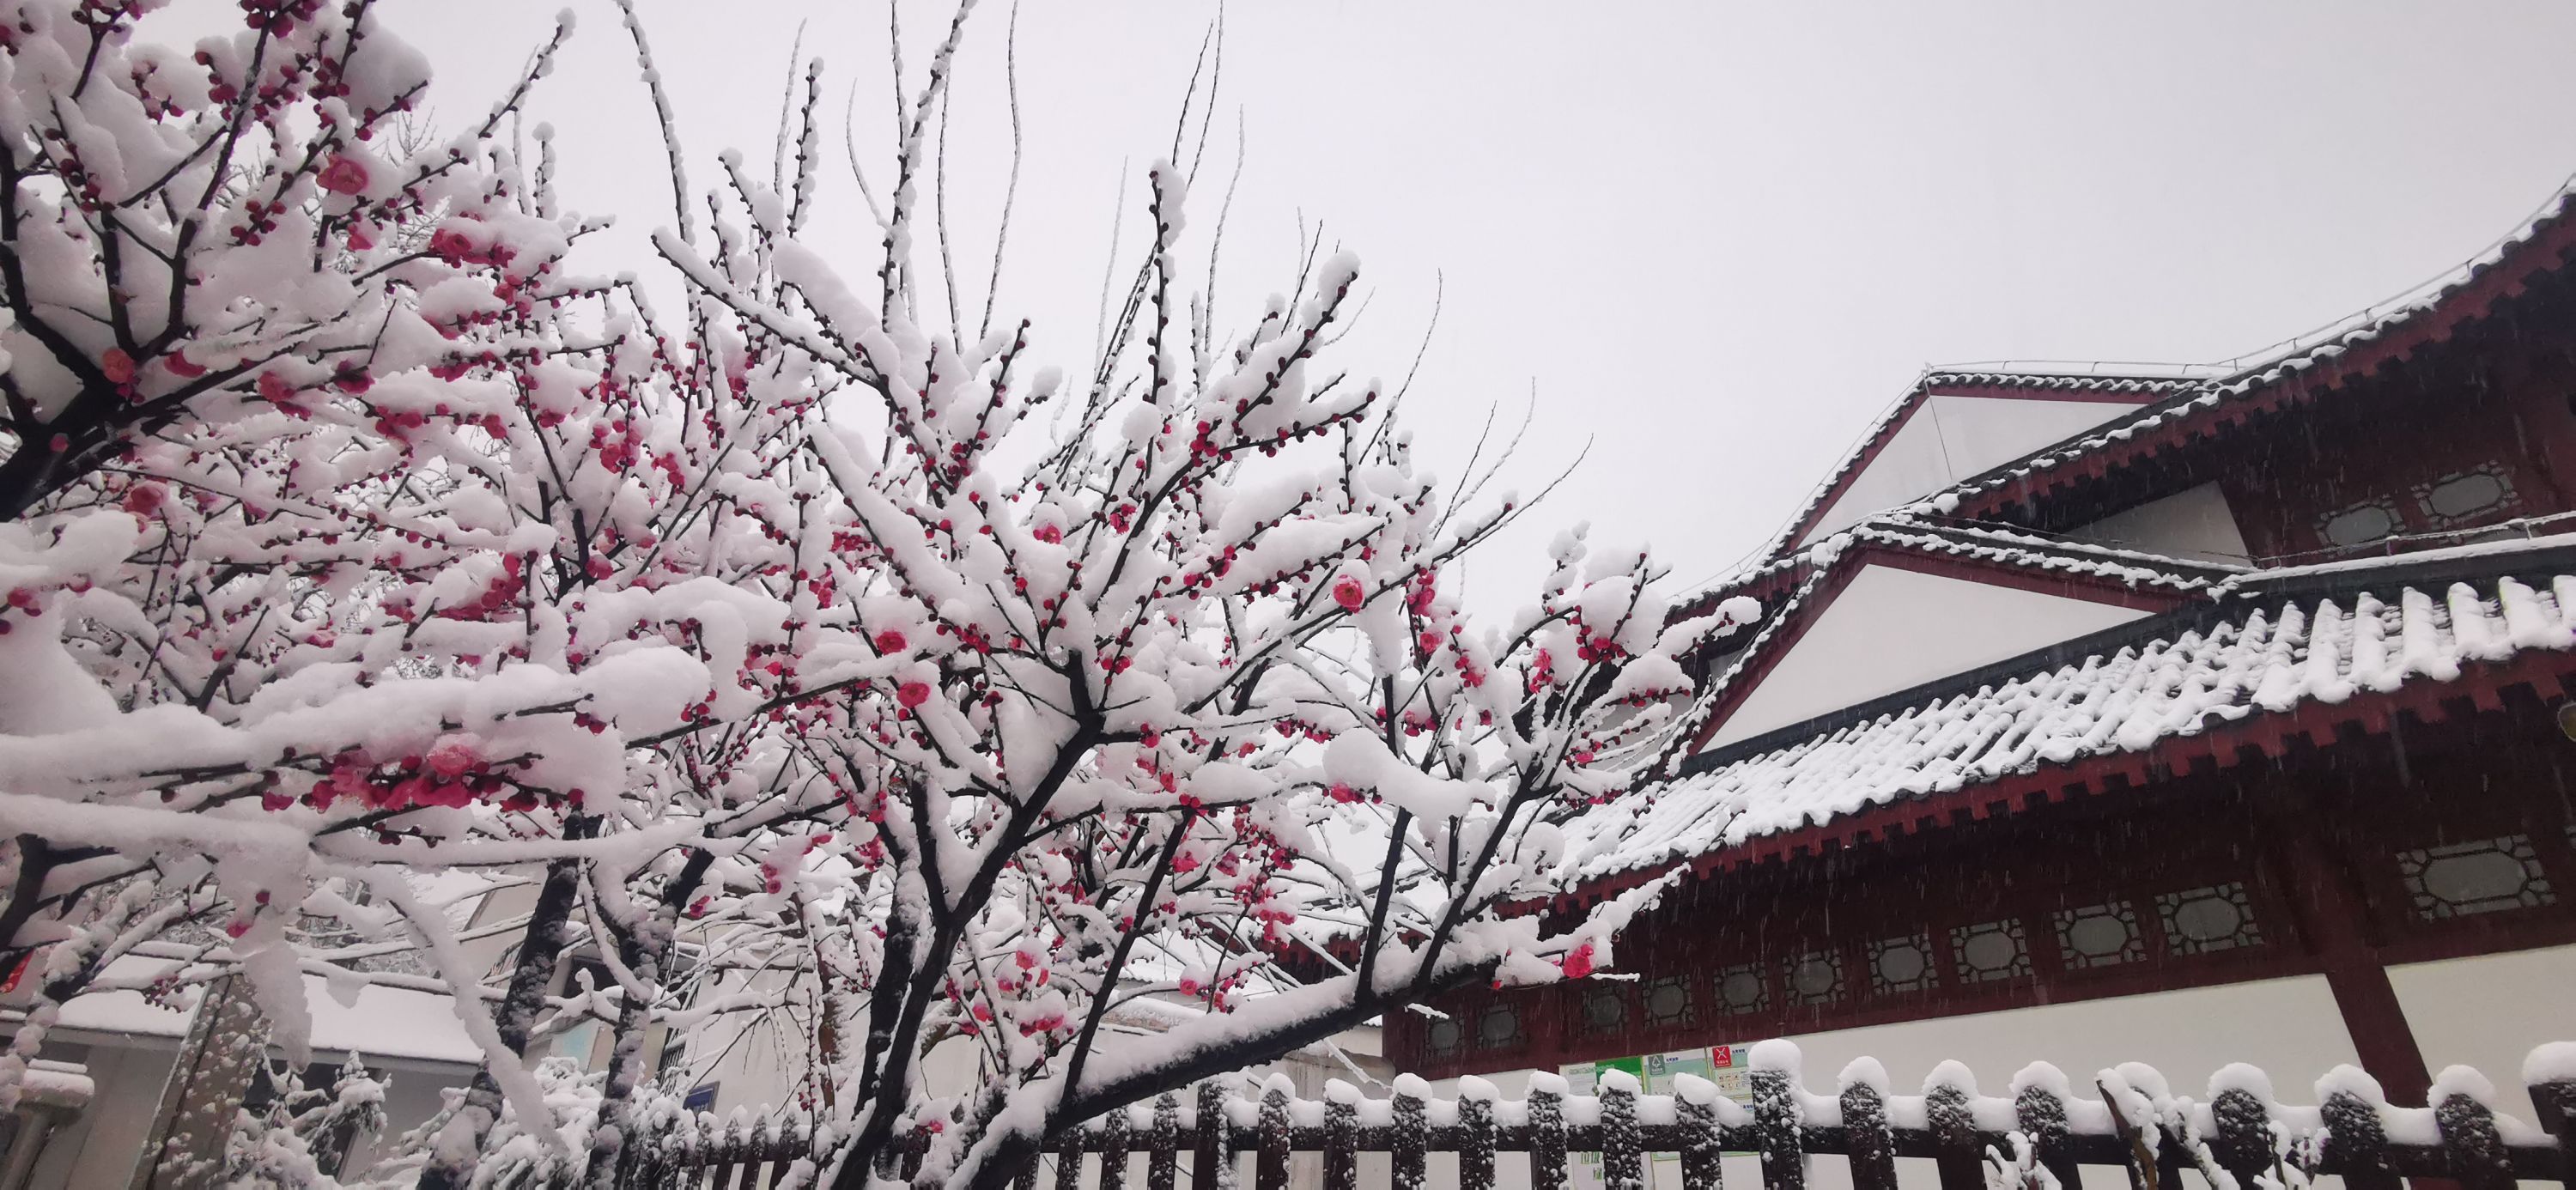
point(1668, 1000)
point(2208, 920)
point(2100, 935)
point(1815, 978)
point(1742, 989)
point(2478, 493)
point(1901, 964)
point(2481, 877)
point(2360, 523)
point(1605, 1008)
point(1444, 1036)
point(1991, 950)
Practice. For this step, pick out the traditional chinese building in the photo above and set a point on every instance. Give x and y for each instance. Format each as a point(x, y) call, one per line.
point(2186, 715)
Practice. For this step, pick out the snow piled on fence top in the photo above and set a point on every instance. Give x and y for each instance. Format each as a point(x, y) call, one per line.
point(2271, 660)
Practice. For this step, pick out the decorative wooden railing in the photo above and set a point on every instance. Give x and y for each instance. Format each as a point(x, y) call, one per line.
point(2042, 1131)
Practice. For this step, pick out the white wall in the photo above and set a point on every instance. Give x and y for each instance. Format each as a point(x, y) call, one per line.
point(99, 1150)
point(2488, 1012)
point(1891, 629)
point(1948, 439)
point(2192, 523)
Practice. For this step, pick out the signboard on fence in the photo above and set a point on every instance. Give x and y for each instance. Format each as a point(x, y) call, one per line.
point(1726, 1065)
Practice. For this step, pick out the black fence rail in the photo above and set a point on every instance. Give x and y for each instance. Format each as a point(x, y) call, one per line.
point(2042, 1133)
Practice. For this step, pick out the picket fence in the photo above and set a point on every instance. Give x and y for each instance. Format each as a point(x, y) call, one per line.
point(2238, 1134)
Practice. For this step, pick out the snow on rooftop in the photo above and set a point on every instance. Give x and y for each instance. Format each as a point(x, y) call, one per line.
point(2180, 389)
point(379, 1022)
point(2269, 660)
point(2259, 370)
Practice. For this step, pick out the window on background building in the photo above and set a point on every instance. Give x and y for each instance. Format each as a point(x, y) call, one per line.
point(1990, 950)
point(2100, 935)
point(1668, 1000)
point(2207, 920)
point(1742, 989)
point(1816, 978)
point(2480, 877)
point(1444, 1036)
point(1605, 1008)
point(2360, 524)
point(1901, 964)
point(2466, 496)
point(1498, 1027)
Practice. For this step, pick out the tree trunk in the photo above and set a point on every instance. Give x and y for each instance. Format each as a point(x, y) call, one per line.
point(648, 952)
point(539, 949)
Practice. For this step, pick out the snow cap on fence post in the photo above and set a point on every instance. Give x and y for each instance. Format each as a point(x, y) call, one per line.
point(2554, 1062)
point(1692, 1089)
point(1472, 1087)
point(2240, 1076)
point(1863, 1072)
point(1952, 1074)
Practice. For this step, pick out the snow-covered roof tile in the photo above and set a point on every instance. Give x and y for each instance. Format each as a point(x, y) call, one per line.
point(2272, 659)
point(2178, 391)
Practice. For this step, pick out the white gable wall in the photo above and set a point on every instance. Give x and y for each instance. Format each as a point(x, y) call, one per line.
point(1948, 439)
point(2192, 523)
point(1891, 629)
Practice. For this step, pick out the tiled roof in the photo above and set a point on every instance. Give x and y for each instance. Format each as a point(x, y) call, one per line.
point(2179, 392)
point(2273, 658)
point(2314, 350)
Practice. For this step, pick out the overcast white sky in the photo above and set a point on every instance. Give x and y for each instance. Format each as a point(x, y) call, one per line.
point(1718, 238)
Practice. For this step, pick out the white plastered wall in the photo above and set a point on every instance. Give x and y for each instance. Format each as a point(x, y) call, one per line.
point(2192, 523)
point(1950, 438)
point(1890, 629)
point(2487, 1012)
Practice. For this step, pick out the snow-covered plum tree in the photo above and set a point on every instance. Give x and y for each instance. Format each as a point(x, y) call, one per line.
point(940, 698)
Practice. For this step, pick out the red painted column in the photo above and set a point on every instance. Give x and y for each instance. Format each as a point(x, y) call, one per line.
point(2333, 922)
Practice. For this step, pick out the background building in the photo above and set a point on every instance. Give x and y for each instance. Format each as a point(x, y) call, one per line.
point(2178, 715)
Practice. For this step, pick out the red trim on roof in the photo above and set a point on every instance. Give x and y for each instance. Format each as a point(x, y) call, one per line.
point(2548, 250)
point(1942, 386)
